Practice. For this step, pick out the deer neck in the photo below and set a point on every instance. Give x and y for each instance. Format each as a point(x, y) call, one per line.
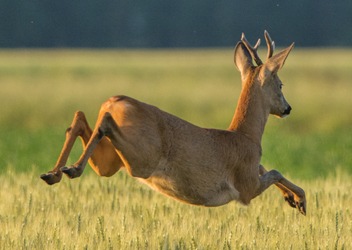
point(251, 113)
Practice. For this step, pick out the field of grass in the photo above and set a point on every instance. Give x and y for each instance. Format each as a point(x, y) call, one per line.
point(117, 213)
point(40, 91)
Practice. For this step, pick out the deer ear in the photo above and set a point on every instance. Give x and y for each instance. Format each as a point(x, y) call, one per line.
point(242, 59)
point(274, 63)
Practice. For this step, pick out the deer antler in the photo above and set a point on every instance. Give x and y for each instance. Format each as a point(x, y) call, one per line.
point(270, 44)
point(254, 50)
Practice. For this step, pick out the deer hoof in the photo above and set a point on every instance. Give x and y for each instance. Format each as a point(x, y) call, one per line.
point(51, 177)
point(289, 198)
point(301, 206)
point(71, 172)
point(299, 203)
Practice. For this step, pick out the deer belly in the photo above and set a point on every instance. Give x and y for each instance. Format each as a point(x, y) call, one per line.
point(213, 194)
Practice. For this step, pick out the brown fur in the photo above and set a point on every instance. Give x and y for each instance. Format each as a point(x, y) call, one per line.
point(208, 167)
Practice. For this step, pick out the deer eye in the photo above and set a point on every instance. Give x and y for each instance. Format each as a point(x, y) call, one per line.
point(281, 85)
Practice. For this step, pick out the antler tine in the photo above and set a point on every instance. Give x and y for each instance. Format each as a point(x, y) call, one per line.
point(256, 46)
point(252, 50)
point(270, 44)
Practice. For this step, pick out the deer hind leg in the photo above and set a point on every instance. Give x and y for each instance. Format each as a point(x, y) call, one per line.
point(96, 140)
point(293, 194)
point(104, 161)
point(76, 129)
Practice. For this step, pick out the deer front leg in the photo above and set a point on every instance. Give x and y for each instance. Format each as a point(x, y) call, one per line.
point(77, 128)
point(275, 177)
point(288, 195)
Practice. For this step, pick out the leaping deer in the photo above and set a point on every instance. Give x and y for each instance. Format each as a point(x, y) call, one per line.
point(208, 167)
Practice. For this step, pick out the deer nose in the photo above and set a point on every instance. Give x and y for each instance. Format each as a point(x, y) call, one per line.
point(287, 110)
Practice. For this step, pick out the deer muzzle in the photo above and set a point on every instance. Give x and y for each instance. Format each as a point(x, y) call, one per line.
point(287, 111)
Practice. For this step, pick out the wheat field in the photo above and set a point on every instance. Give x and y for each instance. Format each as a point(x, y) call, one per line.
point(120, 213)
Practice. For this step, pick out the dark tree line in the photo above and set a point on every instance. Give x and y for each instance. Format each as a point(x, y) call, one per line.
point(172, 23)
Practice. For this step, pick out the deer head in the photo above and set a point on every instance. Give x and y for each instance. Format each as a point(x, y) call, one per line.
point(265, 74)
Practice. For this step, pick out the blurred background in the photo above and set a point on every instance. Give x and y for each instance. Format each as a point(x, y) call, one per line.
point(166, 23)
point(57, 57)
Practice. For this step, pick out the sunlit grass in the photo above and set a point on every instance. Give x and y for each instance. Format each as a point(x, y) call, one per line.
point(44, 87)
point(119, 213)
point(57, 83)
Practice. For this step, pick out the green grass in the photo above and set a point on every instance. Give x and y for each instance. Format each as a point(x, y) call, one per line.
point(40, 91)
